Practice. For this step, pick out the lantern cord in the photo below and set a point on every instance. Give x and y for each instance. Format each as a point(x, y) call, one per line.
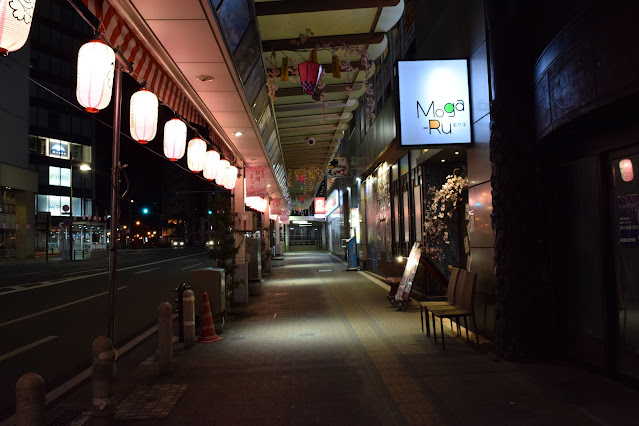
point(77, 9)
point(126, 178)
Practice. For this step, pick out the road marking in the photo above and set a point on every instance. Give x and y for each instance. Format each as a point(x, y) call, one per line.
point(20, 275)
point(57, 307)
point(64, 280)
point(86, 270)
point(274, 315)
point(191, 266)
point(146, 270)
point(26, 348)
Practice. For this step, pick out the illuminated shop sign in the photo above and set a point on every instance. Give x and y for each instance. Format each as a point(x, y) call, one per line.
point(332, 202)
point(433, 102)
point(320, 205)
point(57, 148)
point(59, 176)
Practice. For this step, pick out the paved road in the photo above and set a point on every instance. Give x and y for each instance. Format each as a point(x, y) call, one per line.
point(51, 312)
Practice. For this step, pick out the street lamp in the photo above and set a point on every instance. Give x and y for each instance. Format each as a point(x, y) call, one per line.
point(128, 236)
point(84, 168)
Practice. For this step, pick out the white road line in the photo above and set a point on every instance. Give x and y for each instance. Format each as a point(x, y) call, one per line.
point(19, 275)
point(86, 270)
point(57, 307)
point(64, 280)
point(146, 270)
point(26, 348)
point(191, 266)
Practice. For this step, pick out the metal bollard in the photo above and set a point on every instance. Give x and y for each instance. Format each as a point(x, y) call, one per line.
point(103, 377)
point(189, 319)
point(30, 400)
point(165, 334)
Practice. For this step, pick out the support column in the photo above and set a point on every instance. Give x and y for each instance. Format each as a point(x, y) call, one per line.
point(522, 304)
point(240, 295)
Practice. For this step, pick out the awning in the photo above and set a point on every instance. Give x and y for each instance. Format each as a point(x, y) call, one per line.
point(145, 69)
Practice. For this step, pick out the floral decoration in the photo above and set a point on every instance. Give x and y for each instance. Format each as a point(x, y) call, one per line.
point(439, 208)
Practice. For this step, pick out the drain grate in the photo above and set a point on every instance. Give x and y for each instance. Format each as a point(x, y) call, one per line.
point(64, 418)
point(148, 402)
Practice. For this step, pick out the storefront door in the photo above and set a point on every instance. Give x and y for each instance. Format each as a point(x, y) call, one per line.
point(624, 203)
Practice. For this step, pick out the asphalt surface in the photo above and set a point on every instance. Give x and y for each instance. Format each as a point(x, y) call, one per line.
point(50, 313)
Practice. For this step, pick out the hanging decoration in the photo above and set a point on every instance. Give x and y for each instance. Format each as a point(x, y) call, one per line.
point(143, 120)
point(174, 139)
point(196, 155)
point(284, 69)
point(211, 163)
point(231, 178)
point(221, 171)
point(625, 167)
point(335, 67)
point(309, 76)
point(15, 24)
point(96, 65)
point(312, 57)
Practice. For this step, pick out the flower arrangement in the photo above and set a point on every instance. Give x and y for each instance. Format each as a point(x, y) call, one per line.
point(439, 208)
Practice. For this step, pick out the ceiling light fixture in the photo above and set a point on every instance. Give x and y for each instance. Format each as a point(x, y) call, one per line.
point(238, 134)
point(205, 77)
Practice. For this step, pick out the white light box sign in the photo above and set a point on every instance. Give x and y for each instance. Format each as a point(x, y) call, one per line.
point(433, 102)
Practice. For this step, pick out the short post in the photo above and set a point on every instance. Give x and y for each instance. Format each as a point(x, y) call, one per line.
point(103, 378)
point(30, 400)
point(165, 334)
point(179, 310)
point(189, 318)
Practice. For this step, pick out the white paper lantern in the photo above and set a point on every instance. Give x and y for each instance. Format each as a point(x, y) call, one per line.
point(143, 116)
point(231, 177)
point(211, 163)
point(251, 201)
point(174, 139)
point(96, 63)
point(221, 172)
point(15, 23)
point(196, 155)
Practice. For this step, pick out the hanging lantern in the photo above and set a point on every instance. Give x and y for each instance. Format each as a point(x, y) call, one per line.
point(195, 155)
point(335, 68)
point(284, 69)
point(174, 139)
point(96, 63)
point(309, 75)
point(143, 116)
point(231, 178)
point(221, 172)
point(625, 167)
point(15, 23)
point(211, 163)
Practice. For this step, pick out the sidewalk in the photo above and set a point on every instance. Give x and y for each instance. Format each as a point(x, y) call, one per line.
point(323, 346)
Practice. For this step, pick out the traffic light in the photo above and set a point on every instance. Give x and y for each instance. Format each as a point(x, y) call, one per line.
point(145, 211)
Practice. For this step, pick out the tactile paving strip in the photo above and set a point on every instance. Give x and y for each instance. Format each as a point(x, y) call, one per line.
point(148, 402)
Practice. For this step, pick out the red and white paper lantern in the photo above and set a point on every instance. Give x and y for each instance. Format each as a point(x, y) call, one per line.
point(15, 24)
point(211, 163)
point(96, 64)
point(196, 155)
point(231, 177)
point(143, 120)
point(221, 172)
point(174, 139)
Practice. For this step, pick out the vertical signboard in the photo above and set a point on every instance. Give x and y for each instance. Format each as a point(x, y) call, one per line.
point(628, 207)
point(406, 283)
point(434, 106)
point(256, 181)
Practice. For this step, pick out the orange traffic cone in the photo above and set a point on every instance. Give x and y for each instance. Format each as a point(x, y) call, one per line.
point(207, 331)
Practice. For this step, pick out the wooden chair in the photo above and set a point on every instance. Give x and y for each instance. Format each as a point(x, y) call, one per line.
point(463, 307)
point(426, 306)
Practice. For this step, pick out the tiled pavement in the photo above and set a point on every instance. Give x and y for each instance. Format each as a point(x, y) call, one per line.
point(327, 348)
